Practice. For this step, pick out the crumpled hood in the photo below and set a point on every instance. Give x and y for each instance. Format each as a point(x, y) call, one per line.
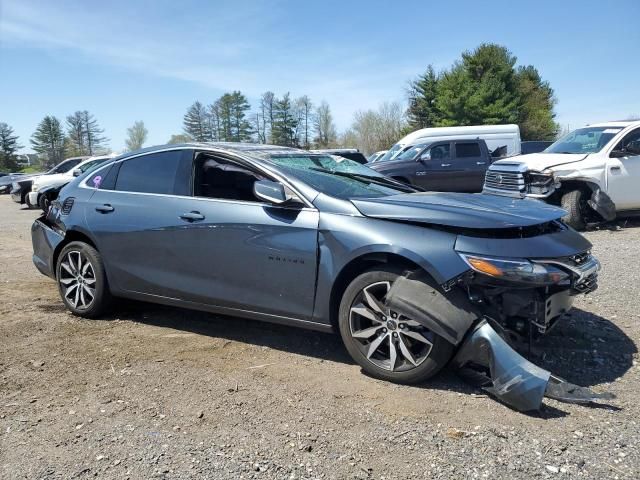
point(541, 161)
point(466, 210)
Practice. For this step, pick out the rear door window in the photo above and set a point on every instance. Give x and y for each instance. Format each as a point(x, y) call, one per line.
point(468, 150)
point(160, 172)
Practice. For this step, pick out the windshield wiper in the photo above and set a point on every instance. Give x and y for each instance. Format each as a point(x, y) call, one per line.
point(384, 181)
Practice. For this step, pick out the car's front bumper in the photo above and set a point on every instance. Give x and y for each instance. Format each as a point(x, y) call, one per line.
point(45, 240)
point(32, 198)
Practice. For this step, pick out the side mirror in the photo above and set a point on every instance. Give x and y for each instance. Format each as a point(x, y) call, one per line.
point(272, 192)
point(426, 156)
point(76, 172)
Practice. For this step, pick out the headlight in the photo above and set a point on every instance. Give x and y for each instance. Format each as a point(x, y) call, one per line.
point(34, 188)
point(539, 183)
point(518, 270)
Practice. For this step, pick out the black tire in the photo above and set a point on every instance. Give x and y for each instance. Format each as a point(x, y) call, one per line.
point(25, 200)
point(437, 357)
point(573, 202)
point(43, 203)
point(93, 278)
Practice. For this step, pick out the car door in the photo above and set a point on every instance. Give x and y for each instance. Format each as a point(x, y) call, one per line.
point(623, 172)
point(435, 169)
point(470, 165)
point(245, 253)
point(133, 214)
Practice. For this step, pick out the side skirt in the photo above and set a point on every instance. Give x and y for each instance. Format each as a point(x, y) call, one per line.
point(233, 312)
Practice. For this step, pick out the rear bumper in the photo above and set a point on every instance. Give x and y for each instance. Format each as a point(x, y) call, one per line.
point(45, 240)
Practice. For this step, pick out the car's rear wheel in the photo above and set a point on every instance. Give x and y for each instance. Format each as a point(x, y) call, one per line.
point(384, 343)
point(82, 281)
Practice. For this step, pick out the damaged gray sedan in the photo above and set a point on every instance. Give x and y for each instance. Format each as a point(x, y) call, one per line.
point(411, 280)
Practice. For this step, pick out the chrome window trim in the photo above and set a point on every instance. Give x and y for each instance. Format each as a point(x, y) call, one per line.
point(300, 196)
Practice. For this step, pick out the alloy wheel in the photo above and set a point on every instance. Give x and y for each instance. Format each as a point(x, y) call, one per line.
point(78, 280)
point(387, 339)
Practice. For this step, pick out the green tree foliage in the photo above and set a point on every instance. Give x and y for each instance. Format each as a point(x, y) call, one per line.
point(48, 140)
point(8, 148)
point(422, 111)
point(536, 117)
point(283, 129)
point(484, 88)
point(136, 136)
point(231, 112)
point(196, 123)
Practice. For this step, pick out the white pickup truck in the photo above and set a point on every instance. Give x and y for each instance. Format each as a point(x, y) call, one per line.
point(593, 173)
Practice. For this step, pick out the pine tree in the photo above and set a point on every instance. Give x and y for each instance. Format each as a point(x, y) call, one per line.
point(240, 125)
point(304, 108)
point(284, 122)
point(422, 111)
point(48, 140)
point(196, 123)
point(75, 142)
point(93, 134)
point(8, 148)
point(536, 116)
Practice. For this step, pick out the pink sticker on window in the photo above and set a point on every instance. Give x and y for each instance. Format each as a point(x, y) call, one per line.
point(96, 181)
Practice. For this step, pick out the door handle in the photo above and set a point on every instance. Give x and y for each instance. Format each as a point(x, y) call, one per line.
point(445, 164)
point(192, 216)
point(481, 163)
point(615, 168)
point(106, 208)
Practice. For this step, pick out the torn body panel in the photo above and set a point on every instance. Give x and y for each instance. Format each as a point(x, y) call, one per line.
point(489, 362)
point(602, 203)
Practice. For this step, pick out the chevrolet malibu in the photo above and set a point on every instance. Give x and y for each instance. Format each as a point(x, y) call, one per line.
point(312, 240)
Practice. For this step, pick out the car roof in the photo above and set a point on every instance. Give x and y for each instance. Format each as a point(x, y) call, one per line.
point(253, 149)
point(623, 124)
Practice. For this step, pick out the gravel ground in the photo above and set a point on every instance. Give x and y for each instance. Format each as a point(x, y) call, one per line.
point(169, 393)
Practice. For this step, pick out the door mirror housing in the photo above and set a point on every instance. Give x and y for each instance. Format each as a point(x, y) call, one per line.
point(269, 191)
point(76, 172)
point(425, 157)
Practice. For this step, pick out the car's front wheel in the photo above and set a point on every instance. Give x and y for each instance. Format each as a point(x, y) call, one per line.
point(384, 343)
point(82, 281)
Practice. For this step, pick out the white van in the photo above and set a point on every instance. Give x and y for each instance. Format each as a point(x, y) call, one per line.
point(495, 136)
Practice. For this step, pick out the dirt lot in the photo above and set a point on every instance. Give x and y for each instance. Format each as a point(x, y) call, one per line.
point(161, 392)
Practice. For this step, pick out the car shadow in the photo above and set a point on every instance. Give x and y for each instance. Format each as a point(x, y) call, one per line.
point(584, 348)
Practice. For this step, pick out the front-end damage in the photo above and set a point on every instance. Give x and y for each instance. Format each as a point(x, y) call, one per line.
point(469, 312)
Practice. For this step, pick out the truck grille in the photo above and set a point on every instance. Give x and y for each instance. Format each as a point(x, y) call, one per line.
point(505, 181)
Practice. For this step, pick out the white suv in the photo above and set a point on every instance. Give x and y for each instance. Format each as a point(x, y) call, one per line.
point(593, 173)
point(57, 179)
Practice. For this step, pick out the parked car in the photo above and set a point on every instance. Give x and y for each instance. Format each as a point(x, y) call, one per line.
point(35, 198)
point(504, 138)
point(534, 146)
point(21, 189)
point(302, 239)
point(374, 157)
point(592, 172)
point(349, 153)
point(443, 166)
point(7, 180)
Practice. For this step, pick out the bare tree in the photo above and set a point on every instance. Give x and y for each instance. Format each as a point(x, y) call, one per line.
point(378, 129)
point(304, 109)
point(136, 136)
point(324, 127)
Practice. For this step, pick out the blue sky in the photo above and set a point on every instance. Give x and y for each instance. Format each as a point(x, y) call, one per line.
point(149, 60)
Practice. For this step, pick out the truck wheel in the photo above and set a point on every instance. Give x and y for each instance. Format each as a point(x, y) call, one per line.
point(387, 345)
point(573, 202)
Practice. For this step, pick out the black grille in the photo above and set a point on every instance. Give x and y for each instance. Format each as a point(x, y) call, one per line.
point(67, 205)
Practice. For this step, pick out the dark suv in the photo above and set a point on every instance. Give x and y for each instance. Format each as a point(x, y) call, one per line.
point(289, 236)
point(448, 166)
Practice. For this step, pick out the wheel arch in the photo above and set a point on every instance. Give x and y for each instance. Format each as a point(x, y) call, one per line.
point(357, 266)
point(71, 236)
